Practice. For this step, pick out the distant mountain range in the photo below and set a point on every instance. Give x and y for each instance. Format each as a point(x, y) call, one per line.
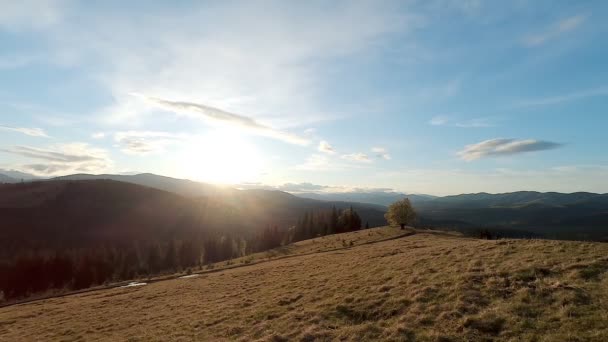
point(384, 198)
point(79, 210)
point(13, 176)
point(580, 215)
point(520, 199)
point(7, 179)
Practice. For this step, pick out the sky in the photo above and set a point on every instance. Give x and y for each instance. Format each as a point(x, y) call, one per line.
point(437, 97)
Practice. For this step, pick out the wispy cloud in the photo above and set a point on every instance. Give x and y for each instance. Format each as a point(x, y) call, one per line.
point(263, 70)
point(357, 157)
point(300, 187)
point(381, 152)
point(62, 159)
point(325, 147)
point(574, 96)
point(472, 123)
point(502, 147)
point(439, 121)
point(219, 116)
point(145, 142)
point(556, 30)
point(33, 132)
point(98, 135)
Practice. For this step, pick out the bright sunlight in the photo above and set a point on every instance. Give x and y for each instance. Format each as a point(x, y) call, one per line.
point(221, 157)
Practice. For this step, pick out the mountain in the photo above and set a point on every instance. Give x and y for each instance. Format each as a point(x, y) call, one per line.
point(18, 175)
point(383, 198)
point(580, 215)
point(78, 212)
point(513, 199)
point(6, 179)
point(182, 187)
point(73, 234)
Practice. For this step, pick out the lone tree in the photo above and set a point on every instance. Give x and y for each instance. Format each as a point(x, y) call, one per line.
point(400, 213)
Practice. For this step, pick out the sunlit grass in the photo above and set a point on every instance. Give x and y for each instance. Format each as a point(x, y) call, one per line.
point(424, 287)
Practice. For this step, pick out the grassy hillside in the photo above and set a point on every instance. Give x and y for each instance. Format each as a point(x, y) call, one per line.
point(422, 286)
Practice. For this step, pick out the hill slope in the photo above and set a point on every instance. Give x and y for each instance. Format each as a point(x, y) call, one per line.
point(423, 287)
point(579, 216)
point(575, 216)
point(70, 214)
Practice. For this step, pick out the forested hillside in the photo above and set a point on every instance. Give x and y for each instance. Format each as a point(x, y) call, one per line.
point(575, 216)
point(74, 234)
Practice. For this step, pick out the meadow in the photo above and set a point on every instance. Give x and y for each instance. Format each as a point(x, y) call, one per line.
point(377, 284)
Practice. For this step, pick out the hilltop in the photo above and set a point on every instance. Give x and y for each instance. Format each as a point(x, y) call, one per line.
point(405, 286)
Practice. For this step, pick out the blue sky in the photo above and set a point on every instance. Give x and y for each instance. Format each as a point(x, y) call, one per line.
point(438, 97)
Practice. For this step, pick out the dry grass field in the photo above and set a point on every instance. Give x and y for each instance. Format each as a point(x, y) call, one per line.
point(418, 286)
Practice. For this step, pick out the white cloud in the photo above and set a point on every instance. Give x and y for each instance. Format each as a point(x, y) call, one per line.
point(325, 147)
point(62, 159)
point(502, 147)
point(357, 157)
point(381, 152)
point(145, 142)
point(439, 121)
point(307, 187)
point(219, 116)
point(473, 123)
point(33, 132)
point(300, 187)
point(98, 135)
point(266, 61)
point(556, 30)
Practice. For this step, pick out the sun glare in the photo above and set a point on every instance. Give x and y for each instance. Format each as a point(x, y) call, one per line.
point(221, 157)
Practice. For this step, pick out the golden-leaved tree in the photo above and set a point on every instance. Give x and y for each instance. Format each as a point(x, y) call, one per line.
point(400, 213)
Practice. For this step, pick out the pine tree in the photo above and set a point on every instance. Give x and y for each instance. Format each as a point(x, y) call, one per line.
point(333, 221)
point(170, 256)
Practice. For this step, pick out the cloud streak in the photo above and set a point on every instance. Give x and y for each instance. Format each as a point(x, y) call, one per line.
point(556, 30)
point(32, 132)
point(219, 116)
point(145, 142)
point(473, 123)
point(62, 159)
point(503, 147)
point(357, 157)
point(325, 147)
point(574, 96)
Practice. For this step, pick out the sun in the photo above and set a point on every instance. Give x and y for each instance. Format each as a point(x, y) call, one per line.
point(221, 157)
